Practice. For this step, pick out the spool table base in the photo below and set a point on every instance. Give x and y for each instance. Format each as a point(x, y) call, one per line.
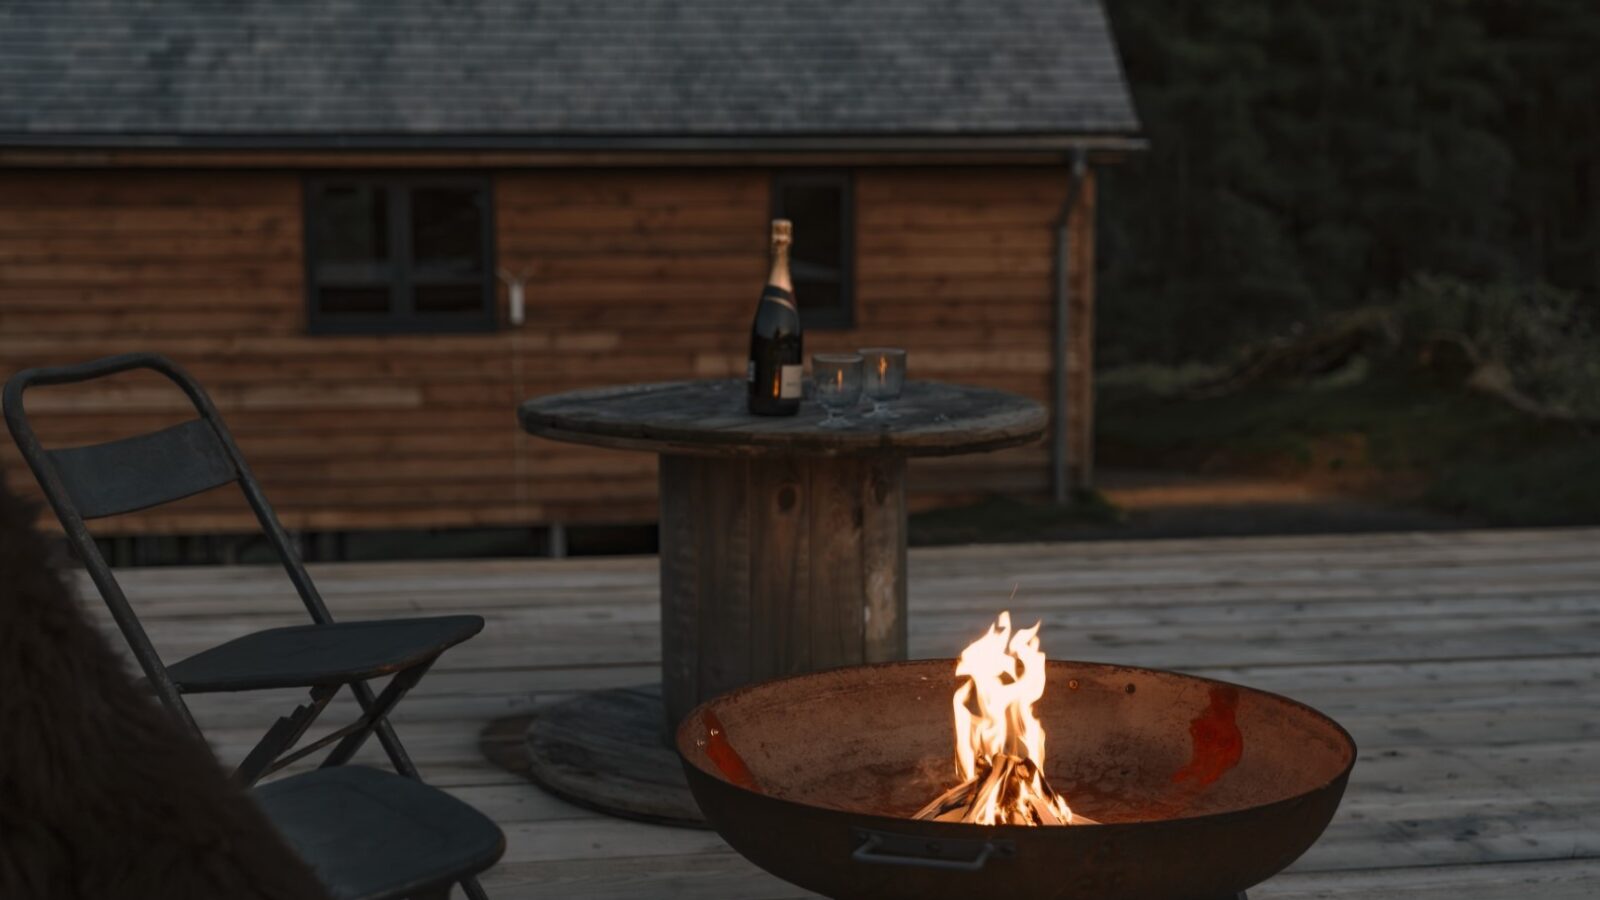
point(601, 750)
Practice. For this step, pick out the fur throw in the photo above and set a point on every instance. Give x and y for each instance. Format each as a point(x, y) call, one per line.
point(103, 795)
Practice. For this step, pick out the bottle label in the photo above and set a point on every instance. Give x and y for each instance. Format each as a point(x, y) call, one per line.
point(750, 372)
point(779, 296)
point(789, 387)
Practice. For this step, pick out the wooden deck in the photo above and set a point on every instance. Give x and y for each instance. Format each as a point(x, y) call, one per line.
point(1466, 664)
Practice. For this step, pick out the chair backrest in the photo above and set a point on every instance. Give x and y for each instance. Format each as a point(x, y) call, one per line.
point(140, 472)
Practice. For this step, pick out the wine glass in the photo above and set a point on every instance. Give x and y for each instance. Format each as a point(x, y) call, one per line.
point(885, 374)
point(837, 377)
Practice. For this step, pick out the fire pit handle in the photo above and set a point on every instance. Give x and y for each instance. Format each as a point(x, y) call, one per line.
point(952, 855)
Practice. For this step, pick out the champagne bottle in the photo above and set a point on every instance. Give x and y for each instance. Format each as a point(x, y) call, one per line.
point(774, 369)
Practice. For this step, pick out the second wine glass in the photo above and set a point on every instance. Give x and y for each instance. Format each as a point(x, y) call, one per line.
point(837, 377)
point(885, 372)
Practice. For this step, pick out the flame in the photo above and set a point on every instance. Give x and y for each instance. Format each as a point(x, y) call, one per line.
point(995, 724)
point(838, 379)
point(883, 367)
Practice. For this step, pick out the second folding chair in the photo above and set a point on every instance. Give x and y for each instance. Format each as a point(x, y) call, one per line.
point(121, 476)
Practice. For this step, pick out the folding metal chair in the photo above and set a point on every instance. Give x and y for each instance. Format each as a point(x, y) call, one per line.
point(147, 470)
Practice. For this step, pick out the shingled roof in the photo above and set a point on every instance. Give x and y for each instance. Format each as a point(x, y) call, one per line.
point(557, 72)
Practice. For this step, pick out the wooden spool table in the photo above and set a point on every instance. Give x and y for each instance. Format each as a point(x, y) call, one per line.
point(783, 551)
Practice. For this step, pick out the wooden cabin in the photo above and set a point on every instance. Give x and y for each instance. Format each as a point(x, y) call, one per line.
point(319, 212)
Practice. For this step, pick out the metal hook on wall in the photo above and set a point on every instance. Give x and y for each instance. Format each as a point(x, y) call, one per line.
point(517, 311)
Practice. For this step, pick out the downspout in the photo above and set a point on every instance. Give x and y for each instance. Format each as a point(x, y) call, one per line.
point(1062, 298)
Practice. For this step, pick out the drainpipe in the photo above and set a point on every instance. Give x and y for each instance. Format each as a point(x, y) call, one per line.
point(1062, 297)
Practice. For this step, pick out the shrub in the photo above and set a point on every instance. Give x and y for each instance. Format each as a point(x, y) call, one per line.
point(1543, 337)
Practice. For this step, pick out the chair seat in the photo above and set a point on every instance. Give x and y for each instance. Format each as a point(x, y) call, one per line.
point(372, 835)
point(303, 655)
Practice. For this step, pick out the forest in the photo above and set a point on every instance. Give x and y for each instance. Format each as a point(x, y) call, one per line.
point(1308, 158)
point(1362, 249)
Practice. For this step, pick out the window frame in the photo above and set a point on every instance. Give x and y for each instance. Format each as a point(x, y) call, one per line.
point(400, 275)
point(843, 316)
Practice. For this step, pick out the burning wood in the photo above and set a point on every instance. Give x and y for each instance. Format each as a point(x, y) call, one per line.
point(999, 741)
point(1000, 788)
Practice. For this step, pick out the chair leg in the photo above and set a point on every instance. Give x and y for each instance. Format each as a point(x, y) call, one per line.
point(377, 708)
point(378, 715)
point(282, 735)
point(398, 757)
point(386, 736)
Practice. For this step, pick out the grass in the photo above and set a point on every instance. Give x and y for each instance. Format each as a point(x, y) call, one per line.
point(1384, 431)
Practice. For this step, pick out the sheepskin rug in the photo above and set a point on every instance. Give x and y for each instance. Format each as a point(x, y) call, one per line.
point(103, 795)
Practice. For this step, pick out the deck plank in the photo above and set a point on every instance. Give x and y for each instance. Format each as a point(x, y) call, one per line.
point(1465, 663)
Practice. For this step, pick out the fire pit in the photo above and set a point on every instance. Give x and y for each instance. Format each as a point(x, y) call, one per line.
point(1197, 789)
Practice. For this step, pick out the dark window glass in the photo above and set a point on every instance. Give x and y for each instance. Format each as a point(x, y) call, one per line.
point(442, 298)
point(446, 224)
point(362, 300)
point(822, 258)
point(816, 297)
point(399, 254)
point(817, 211)
point(354, 223)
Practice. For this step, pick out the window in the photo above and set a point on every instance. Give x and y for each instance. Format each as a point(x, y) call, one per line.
point(399, 254)
point(823, 256)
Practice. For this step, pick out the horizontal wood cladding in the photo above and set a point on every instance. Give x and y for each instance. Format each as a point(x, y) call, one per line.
point(632, 275)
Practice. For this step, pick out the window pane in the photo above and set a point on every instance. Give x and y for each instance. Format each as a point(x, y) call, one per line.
point(405, 253)
point(352, 223)
point(450, 298)
point(816, 295)
point(447, 228)
point(353, 300)
point(817, 211)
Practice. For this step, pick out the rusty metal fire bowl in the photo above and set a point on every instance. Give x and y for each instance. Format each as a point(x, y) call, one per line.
point(1204, 788)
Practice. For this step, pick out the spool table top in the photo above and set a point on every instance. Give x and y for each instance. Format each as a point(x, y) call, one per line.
point(709, 418)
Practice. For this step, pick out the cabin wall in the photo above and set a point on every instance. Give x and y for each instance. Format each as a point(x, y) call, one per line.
point(632, 275)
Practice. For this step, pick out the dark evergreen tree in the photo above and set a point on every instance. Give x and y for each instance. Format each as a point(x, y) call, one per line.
point(1552, 120)
point(1308, 157)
